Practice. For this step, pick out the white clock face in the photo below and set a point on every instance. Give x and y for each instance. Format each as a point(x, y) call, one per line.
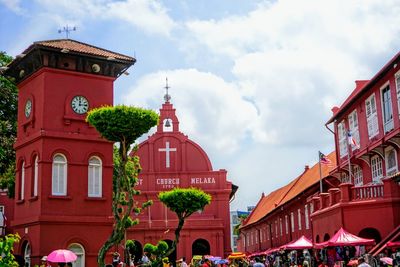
point(80, 104)
point(28, 108)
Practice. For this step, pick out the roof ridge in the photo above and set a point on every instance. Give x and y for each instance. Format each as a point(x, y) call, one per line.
point(291, 187)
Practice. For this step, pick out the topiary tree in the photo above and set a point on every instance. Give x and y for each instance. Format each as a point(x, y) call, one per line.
point(183, 201)
point(157, 253)
point(6, 250)
point(122, 124)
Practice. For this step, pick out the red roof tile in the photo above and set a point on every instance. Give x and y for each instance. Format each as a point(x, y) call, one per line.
point(288, 192)
point(79, 47)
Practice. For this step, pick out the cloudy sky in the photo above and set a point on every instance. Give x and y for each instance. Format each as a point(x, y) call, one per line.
point(253, 82)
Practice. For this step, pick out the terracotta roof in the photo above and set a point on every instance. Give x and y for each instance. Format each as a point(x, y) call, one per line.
point(79, 47)
point(288, 192)
point(365, 86)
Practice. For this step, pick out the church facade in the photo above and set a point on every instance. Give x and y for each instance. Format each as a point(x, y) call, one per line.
point(170, 159)
point(63, 191)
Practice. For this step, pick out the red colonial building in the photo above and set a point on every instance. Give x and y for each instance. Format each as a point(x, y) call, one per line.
point(64, 167)
point(170, 159)
point(367, 202)
point(364, 198)
point(285, 214)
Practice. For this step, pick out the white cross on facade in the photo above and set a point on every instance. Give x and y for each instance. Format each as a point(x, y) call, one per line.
point(167, 149)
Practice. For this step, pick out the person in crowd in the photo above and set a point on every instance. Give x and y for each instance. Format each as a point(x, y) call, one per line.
point(183, 263)
point(258, 263)
point(44, 262)
point(323, 264)
point(206, 263)
point(362, 263)
point(116, 259)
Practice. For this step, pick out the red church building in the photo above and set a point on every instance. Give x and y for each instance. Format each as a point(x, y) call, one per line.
point(170, 159)
point(64, 168)
point(361, 193)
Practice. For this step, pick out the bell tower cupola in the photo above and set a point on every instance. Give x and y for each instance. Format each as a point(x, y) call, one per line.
point(168, 120)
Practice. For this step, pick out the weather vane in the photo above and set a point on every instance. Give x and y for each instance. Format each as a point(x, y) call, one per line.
point(167, 97)
point(67, 30)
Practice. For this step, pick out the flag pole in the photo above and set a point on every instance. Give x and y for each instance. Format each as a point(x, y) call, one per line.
point(320, 171)
point(348, 155)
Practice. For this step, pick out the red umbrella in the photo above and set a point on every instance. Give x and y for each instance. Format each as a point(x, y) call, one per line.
point(344, 238)
point(301, 243)
point(62, 255)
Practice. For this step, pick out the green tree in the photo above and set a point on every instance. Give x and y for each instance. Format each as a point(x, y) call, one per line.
point(8, 128)
point(122, 124)
point(184, 202)
point(157, 253)
point(6, 250)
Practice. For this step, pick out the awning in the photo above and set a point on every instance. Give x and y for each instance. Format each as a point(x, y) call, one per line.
point(301, 243)
point(344, 238)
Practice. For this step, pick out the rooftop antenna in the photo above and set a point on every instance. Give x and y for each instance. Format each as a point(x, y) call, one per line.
point(67, 30)
point(167, 97)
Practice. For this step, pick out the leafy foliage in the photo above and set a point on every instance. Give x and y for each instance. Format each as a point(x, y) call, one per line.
point(6, 250)
point(124, 125)
point(184, 202)
point(157, 253)
point(8, 128)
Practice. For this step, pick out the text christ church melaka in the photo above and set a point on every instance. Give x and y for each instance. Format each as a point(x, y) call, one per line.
point(170, 159)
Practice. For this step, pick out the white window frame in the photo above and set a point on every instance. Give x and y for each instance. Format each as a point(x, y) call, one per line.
point(390, 170)
point(280, 226)
point(35, 176)
point(80, 261)
point(358, 175)
point(371, 114)
point(311, 208)
point(95, 177)
point(299, 218)
point(306, 217)
point(292, 221)
point(59, 168)
point(287, 224)
point(353, 127)
point(397, 81)
point(342, 138)
point(22, 186)
point(376, 169)
point(276, 228)
point(388, 123)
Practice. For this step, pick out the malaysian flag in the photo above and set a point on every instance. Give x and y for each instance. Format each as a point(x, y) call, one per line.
point(324, 159)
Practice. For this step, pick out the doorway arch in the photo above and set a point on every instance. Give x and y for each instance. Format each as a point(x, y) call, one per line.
point(79, 251)
point(137, 251)
point(26, 250)
point(201, 247)
point(370, 233)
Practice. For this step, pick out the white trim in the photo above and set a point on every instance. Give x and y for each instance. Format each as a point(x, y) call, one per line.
point(358, 175)
point(35, 176)
point(394, 169)
point(372, 118)
point(376, 169)
point(342, 139)
point(80, 254)
point(353, 127)
point(397, 84)
point(59, 174)
point(95, 177)
point(22, 186)
point(299, 218)
point(389, 124)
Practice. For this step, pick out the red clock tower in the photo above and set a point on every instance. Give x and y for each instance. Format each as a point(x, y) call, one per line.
point(64, 168)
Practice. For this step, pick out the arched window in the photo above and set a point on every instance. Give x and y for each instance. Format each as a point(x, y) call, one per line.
point(376, 169)
point(358, 175)
point(59, 176)
point(35, 177)
point(95, 177)
point(80, 253)
point(390, 161)
point(27, 255)
point(22, 180)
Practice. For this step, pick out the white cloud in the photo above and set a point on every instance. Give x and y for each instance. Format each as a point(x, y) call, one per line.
point(13, 5)
point(209, 108)
point(149, 16)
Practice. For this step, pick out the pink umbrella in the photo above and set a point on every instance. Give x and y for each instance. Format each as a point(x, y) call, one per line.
point(387, 260)
point(62, 255)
